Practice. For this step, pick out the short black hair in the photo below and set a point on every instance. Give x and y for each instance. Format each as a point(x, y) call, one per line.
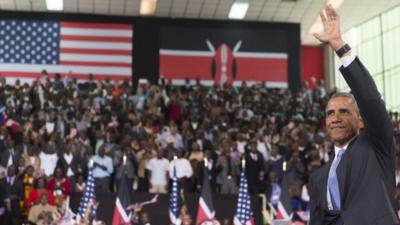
point(345, 95)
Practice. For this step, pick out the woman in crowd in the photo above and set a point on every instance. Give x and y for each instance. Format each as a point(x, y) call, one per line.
point(39, 188)
point(59, 185)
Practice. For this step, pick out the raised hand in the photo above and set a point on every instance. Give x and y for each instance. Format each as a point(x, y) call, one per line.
point(331, 24)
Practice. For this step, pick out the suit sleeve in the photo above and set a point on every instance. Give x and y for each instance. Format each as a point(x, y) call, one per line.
point(372, 108)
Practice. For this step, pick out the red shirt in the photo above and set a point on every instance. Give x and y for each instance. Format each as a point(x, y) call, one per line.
point(65, 186)
point(34, 197)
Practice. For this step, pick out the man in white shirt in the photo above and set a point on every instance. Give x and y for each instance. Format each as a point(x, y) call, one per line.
point(49, 160)
point(102, 170)
point(184, 171)
point(158, 173)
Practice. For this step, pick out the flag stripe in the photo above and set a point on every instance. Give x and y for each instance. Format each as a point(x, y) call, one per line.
point(206, 209)
point(97, 25)
point(95, 45)
point(64, 69)
point(96, 51)
point(96, 38)
point(172, 217)
point(263, 55)
point(97, 64)
point(173, 52)
point(281, 211)
point(236, 221)
point(95, 58)
point(95, 32)
point(121, 210)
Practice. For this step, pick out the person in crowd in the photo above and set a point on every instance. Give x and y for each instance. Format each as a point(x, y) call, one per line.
point(48, 156)
point(158, 170)
point(228, 172)
point(28, 181)
point(125, 167)
point(143, 156)
point(40, 187)
point(59, 185)
point(11, 193)
point(80, 183)
point(102, 170)
point(254, 167)
point(31, 158)
point(8, 155)
point(69, 163)
point(43, 213)
point(184, 171)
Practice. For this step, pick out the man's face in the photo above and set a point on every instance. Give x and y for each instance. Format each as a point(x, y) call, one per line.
point(343, 120)
point(160, 153)
point(43, 199)
point(102, 151)
point(11, 171)
point(144, 217)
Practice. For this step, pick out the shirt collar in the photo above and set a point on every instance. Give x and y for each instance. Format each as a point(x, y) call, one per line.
point(337, 149)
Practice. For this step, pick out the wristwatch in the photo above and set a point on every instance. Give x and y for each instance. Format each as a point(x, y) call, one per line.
point(343, 50)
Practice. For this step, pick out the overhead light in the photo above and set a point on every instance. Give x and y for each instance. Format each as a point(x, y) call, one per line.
point(317, 25)
point(56, 5)
point(148, 7)
point(238, 9)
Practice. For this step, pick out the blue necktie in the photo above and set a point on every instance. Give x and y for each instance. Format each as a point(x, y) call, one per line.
point(333, 182)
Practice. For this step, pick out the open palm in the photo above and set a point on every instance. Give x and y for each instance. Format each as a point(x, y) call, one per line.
point(331, 25)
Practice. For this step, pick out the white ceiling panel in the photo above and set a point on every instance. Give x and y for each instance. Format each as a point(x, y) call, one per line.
point(102, 6)
point(71, 6)
point(23, 5)
point(8, 4)
point(86, 6)
point(132, 7)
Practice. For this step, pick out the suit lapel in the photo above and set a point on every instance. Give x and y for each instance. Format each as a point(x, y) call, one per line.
point(325, 183)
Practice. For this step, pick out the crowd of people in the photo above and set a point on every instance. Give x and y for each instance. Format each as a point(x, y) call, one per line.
point(55, 127)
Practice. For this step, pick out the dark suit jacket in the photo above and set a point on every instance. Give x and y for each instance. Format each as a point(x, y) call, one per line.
point(5, 155)
point(17, 189)
point(73, 165)
point(366, 172)
point(252, 171)
point(128, 170)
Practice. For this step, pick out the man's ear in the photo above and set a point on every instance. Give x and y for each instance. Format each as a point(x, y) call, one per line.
point(360, 122)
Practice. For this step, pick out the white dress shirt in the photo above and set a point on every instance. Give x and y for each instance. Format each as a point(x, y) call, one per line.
point(328, 193)
point(158, 168)
point(183, 168)
point(49, 162)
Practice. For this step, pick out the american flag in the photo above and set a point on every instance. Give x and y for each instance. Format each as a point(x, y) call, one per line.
point(174, 200)
point(88, 194)
point(243, 214)
point(28, 47)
